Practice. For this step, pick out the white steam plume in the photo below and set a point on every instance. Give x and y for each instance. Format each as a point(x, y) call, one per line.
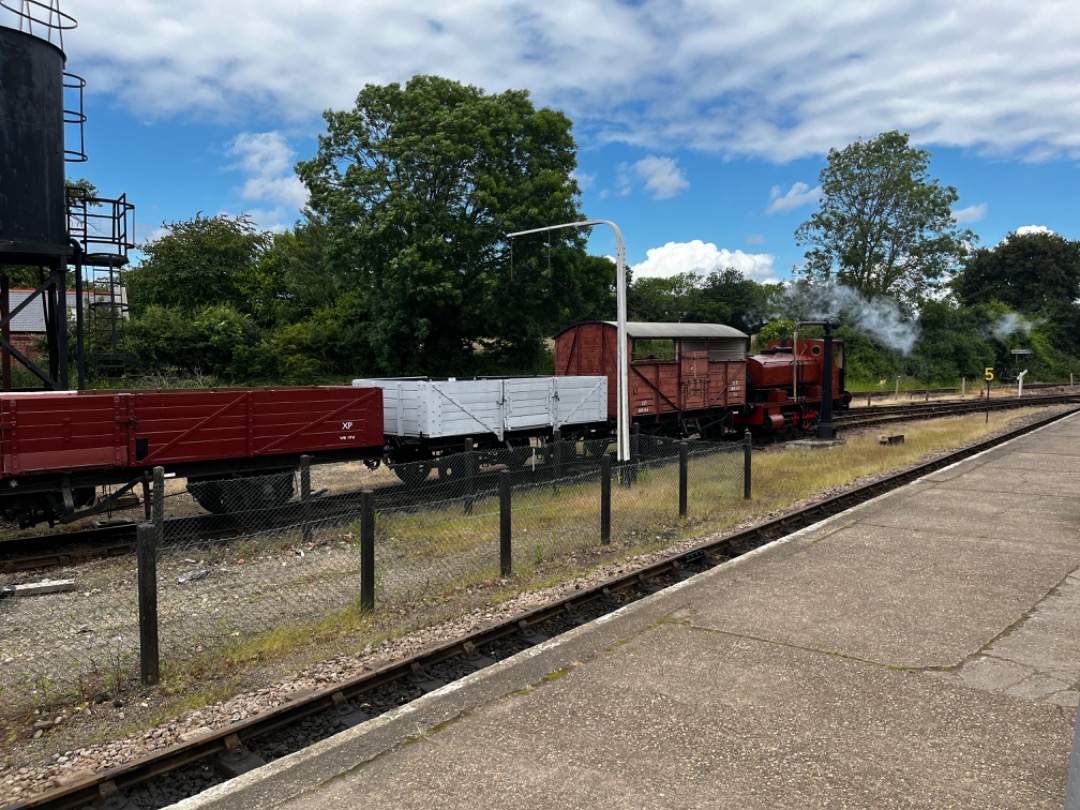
point(879, 318)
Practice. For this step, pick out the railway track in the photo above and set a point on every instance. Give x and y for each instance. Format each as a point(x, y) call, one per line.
point(886, 414)
point(189, 768)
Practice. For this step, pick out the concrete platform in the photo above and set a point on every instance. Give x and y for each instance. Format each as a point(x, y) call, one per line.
point(920, 651)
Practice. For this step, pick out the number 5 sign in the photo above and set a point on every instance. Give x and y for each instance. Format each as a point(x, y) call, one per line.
point(988, 374)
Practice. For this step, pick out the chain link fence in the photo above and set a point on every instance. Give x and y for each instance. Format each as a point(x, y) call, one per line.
point(244, 566)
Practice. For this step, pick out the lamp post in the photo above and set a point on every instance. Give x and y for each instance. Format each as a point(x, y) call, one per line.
point(622, 419)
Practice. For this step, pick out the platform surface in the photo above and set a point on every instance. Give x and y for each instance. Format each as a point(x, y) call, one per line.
point(919, 651)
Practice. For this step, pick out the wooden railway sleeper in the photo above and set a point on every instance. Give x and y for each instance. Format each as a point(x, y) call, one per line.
point(236, 758)
point(529, 634)
point(346, 714)
point(575, 618)
point(110, 798)
point(646, 586)
point(472, 656)
point(423, 680)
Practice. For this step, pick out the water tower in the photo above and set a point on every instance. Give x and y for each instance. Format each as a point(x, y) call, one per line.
point(45, 226)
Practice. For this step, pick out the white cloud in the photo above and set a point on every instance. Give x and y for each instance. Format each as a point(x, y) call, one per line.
point(755, 239)
point(585, 181)
point(798, 195)
point(702, 258)
point(267, 160)
point(780, 81)
point(973, 213)
point(1024, 230)
point(661, 176)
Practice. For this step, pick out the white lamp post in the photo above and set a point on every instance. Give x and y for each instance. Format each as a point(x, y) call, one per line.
point(622, 421)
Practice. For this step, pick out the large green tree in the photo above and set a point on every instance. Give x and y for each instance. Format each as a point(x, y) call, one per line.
point(1030, 273)
point(199, 262)
point(1035, 274)
point(884, 226)
point(416, 187)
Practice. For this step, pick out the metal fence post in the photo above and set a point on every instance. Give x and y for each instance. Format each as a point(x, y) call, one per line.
point(605, 499)
point(305, 495)
point(505, 513)
point(367, 550)
point(746, 465)
point(470, 466)
point(158, 508)
point(556, 458)
point(684, 463)
point(146, 552)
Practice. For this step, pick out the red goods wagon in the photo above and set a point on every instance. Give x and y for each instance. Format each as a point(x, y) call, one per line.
point(683, 377)
point(55, 447)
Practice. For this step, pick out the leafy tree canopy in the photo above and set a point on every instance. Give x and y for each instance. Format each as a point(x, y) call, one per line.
point(723, 296)
point(417, 187)
point(203, 261)
point(884, 226)
point(1030, 273)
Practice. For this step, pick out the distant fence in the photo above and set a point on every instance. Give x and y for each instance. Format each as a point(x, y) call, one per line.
point(463, 531)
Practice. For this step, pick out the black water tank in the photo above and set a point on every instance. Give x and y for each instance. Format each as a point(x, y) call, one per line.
point(32, 216)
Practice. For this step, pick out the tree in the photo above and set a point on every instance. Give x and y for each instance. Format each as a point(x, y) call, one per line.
point(417, 187)
point(1035, 274)
point(203, 261)
point(1029, 273)
point(884, 226)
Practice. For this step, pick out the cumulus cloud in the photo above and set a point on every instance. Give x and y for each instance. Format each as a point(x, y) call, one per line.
point(1024, 230)
point(973, 213)
point(797, 196)
point(267, 160)
point(791, 80)
point(662, 176)
point(702, 258)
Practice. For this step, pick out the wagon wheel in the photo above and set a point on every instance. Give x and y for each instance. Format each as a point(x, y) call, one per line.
point(517, 454)
point(230, 495)
point(413, 473)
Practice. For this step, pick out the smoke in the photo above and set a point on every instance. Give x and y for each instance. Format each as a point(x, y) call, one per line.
point(880, 318)
point(1010, 324)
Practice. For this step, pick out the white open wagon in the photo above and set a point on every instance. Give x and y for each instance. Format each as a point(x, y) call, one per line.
point(424, 417)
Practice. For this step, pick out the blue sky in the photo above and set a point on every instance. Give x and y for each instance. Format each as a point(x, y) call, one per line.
point(702, 126)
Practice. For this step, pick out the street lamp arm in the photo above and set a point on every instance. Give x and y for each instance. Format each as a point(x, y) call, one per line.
point(622, 421)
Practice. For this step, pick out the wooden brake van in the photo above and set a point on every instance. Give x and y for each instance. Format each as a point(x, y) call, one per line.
point(684, 378)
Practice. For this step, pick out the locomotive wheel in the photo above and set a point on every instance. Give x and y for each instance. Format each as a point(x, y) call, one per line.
point(412, 473)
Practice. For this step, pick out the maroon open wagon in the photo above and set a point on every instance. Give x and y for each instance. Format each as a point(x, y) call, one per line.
point(683, 377)
point(56, 447)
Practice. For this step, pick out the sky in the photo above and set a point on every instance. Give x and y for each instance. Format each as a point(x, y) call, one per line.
point(702, 125)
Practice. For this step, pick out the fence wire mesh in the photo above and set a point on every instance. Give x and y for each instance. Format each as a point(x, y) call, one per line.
point(277, 557)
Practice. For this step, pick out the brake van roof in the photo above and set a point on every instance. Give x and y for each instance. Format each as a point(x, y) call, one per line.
point(641, 329)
